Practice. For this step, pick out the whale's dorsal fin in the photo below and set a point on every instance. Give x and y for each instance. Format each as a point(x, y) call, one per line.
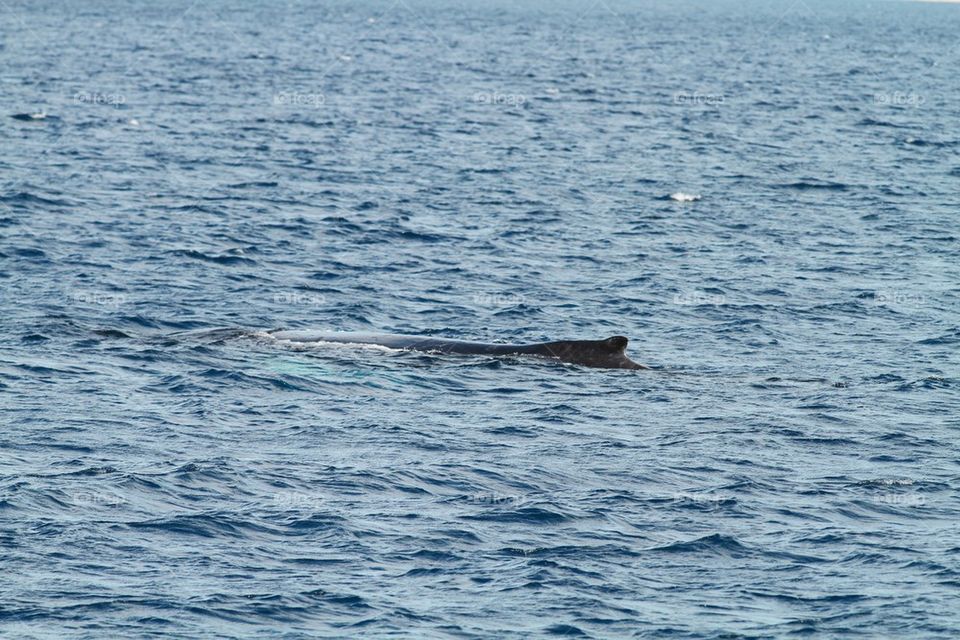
point(608, 353)
point(617, 343)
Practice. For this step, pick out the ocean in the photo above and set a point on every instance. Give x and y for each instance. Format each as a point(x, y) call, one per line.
point(762, 195)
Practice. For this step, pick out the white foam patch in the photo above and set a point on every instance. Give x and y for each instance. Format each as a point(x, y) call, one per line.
point(305, 345)
point(680, 196)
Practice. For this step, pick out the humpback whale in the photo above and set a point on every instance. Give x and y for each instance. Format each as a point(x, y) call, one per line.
point(604, 354)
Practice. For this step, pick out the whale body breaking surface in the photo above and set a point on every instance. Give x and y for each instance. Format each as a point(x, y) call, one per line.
point(605, 354)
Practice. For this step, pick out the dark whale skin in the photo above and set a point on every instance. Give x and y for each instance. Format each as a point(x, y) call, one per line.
point(603, 354)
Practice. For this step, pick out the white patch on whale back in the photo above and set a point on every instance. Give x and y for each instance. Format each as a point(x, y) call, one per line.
point(680, 196)
point(303, 343)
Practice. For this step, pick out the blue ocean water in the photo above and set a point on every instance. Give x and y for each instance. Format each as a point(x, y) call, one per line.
point(762, 195)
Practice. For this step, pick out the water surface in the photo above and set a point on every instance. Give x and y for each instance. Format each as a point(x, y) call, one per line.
point(495, 172)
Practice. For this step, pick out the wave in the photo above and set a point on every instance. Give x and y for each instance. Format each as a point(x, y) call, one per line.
point(228, 259)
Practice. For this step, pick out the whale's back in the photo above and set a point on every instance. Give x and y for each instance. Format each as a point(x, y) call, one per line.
point(608, 353)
